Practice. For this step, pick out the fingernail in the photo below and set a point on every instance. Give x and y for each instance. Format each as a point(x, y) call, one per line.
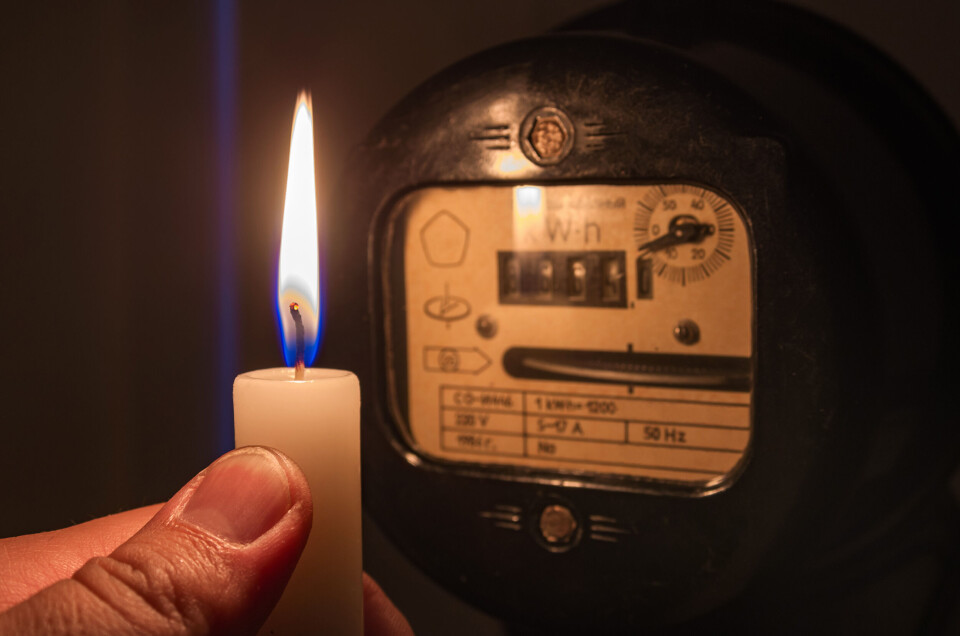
point(240, 497)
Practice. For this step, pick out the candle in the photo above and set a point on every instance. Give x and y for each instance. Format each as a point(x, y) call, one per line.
point(315, 421)
point(312, 415)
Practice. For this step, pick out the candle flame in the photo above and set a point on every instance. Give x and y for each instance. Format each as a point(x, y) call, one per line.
point(298, 278)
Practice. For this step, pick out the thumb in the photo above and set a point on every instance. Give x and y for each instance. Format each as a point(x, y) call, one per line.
point(214, 560)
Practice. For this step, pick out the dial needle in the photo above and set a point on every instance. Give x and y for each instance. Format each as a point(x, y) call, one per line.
point(683, 229)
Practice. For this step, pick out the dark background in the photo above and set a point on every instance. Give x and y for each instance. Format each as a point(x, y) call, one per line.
point(143, 151)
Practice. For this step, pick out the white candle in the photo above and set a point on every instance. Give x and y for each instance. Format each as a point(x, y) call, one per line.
point(315, 421)
point(312, 415)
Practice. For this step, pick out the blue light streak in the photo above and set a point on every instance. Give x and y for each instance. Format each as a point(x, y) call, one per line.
point(225, 115)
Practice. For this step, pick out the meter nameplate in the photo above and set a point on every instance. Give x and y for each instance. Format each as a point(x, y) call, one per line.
point(584, 328)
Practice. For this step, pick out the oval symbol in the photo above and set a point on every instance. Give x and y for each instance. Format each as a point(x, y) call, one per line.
point(447, 308)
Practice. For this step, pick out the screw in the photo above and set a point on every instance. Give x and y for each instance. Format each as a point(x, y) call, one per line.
point(546, 136)
point(557, 524)
point(486, 326)
point(687, 332)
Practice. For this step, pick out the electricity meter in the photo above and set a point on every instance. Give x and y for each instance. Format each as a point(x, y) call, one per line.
point(648, 313)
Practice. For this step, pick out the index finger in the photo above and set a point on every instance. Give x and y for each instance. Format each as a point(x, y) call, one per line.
point(32, 562)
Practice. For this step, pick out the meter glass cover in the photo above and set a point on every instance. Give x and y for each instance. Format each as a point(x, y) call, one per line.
point(591, 329)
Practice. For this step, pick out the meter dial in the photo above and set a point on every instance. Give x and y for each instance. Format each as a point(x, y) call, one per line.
point(686, 232)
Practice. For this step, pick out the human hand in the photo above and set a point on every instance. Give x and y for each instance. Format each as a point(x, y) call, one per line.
point(212, 560)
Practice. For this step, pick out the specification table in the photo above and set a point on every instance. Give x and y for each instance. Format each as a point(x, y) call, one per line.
point(596, 432)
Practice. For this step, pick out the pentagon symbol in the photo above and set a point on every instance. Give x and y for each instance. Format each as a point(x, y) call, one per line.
point(444, 238)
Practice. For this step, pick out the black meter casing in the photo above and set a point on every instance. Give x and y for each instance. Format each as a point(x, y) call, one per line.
point(842, 173)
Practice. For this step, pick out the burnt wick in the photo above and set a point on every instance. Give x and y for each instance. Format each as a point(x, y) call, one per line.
point(299, 369)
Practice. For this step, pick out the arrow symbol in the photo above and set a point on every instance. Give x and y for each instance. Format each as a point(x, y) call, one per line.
point(455, 360)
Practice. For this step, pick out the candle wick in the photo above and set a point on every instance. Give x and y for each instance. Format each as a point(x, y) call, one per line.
point(299, 370)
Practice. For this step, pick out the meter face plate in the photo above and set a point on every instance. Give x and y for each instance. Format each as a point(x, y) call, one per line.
point(573, 329)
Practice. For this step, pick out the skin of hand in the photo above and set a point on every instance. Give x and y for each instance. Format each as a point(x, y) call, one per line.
point(213, 560)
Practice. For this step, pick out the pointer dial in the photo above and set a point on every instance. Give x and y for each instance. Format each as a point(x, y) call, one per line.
point(687, 232)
